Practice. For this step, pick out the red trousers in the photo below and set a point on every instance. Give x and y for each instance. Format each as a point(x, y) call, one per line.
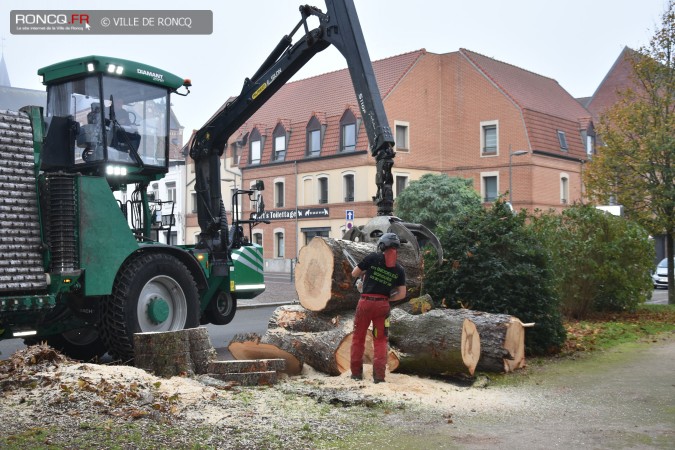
point(377, 312)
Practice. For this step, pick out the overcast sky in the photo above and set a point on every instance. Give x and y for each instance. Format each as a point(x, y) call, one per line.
point(574, 41)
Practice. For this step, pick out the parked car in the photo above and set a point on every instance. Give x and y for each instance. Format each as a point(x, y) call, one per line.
point(660, 275)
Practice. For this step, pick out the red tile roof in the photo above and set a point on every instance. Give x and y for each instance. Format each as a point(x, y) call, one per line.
point(528, 89)
point(618, 78)
point(541, 99)
point(328, 94)
point(325, 96)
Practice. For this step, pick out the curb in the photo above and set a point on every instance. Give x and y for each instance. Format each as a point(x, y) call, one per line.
point(264, 305)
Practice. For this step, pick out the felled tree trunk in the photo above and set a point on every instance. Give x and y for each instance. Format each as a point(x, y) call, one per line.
point(323, 278)
point(302, 337)
point(434, 343)
point(502, 339)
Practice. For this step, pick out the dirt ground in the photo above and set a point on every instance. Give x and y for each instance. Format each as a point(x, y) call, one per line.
point(623, 398)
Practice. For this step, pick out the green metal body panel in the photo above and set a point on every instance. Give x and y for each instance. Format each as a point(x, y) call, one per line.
point(105, 238)
point(246, 276)
point(95, 64)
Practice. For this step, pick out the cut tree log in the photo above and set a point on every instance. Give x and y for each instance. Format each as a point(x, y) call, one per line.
point(246, 365)
point(251, 372)
point(323, 278)
point(502, 339)
point(298, 318)
point(254, 346)
point(266, 378)
point(434, 343)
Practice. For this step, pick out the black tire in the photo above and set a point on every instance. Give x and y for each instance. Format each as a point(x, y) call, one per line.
point(142, 284)
point(221, 310)
point(84, 344)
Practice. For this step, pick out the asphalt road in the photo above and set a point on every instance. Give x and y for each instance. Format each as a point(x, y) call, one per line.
point(659, 297)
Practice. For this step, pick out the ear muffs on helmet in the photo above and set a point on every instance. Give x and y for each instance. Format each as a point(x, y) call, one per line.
point(388, 240)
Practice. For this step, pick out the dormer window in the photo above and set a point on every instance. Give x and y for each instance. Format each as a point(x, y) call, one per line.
point(314, 137)
point(255, 147)
point(279, 136)
point(348, 132)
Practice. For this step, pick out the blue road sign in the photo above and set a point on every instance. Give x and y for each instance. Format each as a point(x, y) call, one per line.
point(349, 214)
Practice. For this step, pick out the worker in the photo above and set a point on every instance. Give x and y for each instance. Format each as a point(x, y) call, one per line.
point(384, 282)
point(122, 115)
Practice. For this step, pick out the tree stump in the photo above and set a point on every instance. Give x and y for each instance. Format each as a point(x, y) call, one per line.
point(323, 278)
point(434, 343)
point(502, 339)
point(170, 353)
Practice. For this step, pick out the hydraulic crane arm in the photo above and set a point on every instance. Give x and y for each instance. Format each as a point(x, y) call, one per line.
point(340, 27)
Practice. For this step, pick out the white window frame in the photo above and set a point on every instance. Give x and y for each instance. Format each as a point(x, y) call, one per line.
point(311, 151)
point(405, 146)
point(483, 126)
point(255, 150)
point(343, 137)
point(483, 193)
point(193, 197)
point(344, 186)
point(279, 253)
point(171, 191)
point(282, 182)
point(258, 231)
point(564, 188)
point(318, 191)
point(396, 177)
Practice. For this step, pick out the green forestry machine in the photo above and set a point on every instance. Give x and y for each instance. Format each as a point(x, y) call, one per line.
point(79, 268)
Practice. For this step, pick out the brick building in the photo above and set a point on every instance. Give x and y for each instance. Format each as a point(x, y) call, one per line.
point(618, 78)
point(458, 113)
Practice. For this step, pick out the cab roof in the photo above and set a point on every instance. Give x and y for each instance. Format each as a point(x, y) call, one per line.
point(123, 68)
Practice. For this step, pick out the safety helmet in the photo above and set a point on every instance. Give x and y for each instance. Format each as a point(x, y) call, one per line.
point(388, 240)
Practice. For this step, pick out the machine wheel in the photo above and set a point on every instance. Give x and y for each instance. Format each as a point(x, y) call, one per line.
point(84, 344)
point(153, 292)
point(221, 310)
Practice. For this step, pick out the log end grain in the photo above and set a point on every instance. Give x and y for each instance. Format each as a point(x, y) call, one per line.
point(313, 285)
point(343, 354)
point(470, 345)
point(514, 343)
point(254, 349)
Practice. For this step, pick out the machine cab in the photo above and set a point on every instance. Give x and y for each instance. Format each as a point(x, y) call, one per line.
point(107, 117)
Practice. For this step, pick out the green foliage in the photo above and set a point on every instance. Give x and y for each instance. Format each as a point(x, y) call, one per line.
point(635, 167)
point(436, 199)
point(601, 261)
point(495, 263)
